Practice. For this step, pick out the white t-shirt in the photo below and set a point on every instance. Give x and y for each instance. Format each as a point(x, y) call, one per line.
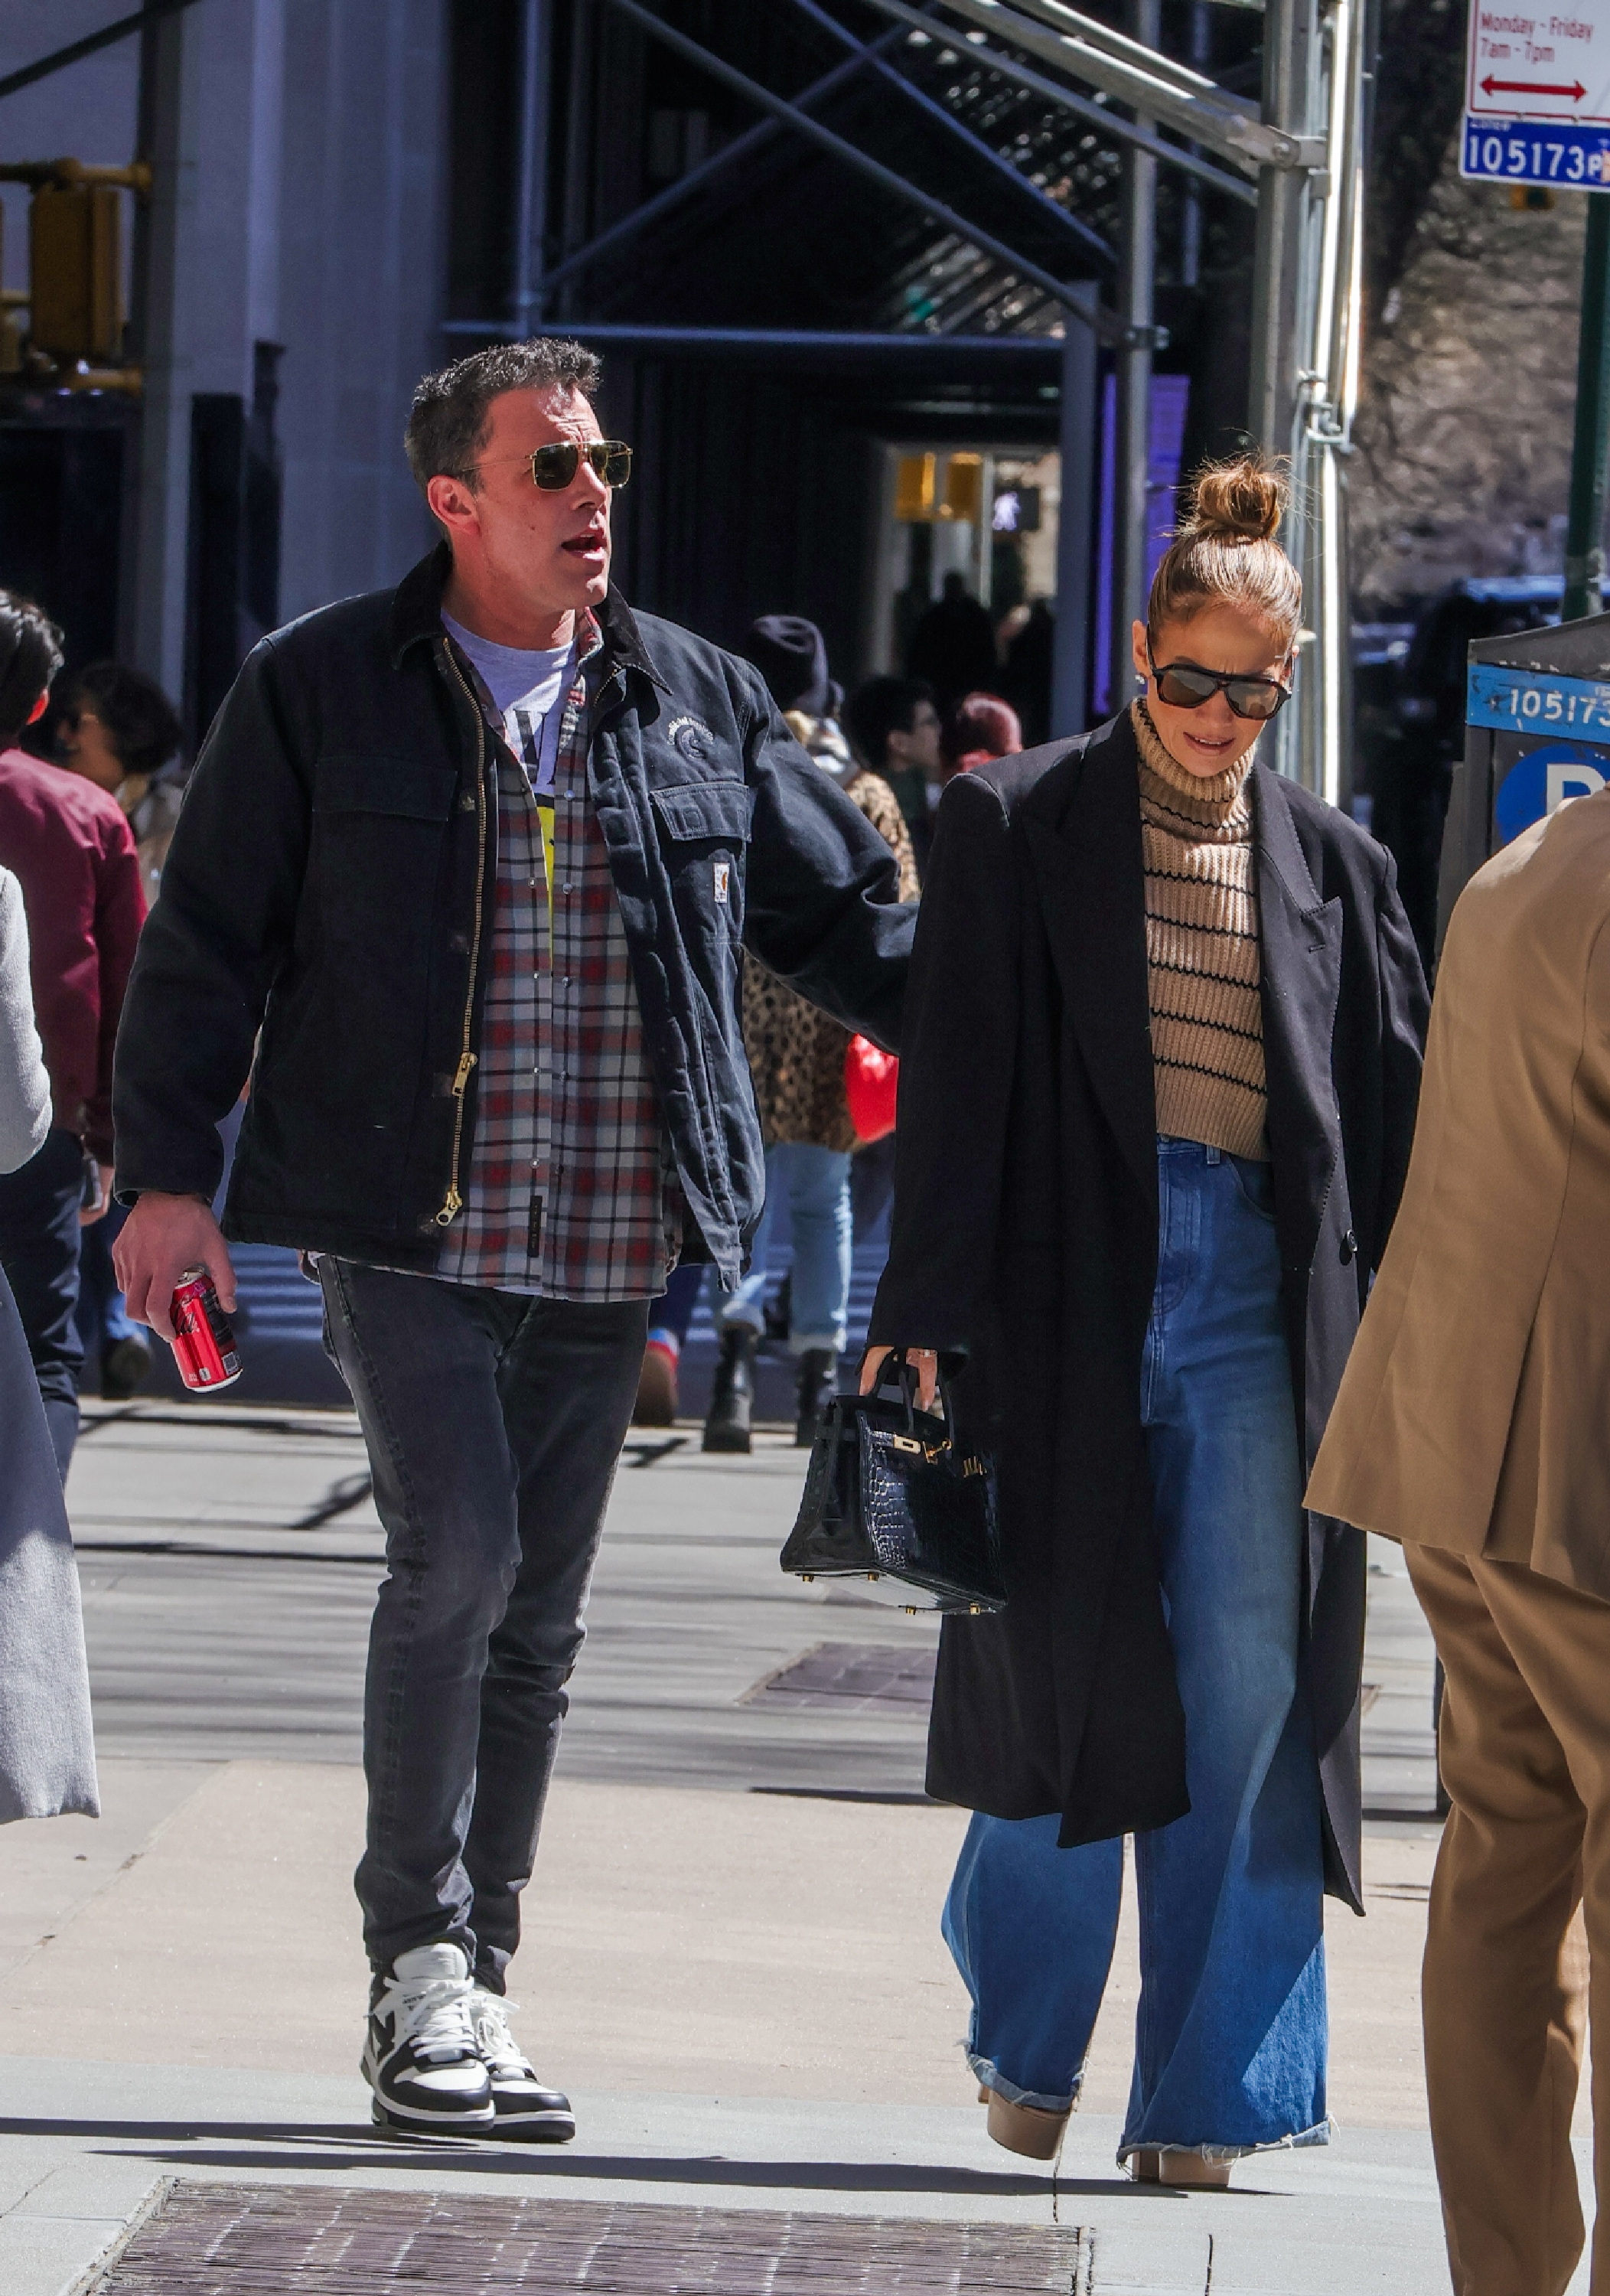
point(527, 688)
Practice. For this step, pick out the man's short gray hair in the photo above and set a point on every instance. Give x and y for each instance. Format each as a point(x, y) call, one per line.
point(448, 422)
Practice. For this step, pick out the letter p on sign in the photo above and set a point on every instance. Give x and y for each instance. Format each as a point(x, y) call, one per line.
point(1571, 778)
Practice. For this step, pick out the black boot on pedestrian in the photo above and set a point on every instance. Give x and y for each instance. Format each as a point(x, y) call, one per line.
point(818, 1375)
point(733, 1391)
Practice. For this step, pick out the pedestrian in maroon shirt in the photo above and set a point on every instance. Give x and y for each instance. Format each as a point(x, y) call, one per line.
point(70, 846)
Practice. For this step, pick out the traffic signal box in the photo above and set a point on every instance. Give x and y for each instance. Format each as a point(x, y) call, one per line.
point(75, 267)
point(1537, 732)
point(73, 336)
point(918, 499)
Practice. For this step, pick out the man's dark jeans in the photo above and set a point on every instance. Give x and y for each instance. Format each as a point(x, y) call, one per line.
point(494, 1423)
point(39, 1207)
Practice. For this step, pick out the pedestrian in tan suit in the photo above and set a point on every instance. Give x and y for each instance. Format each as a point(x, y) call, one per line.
point(1473, 1425)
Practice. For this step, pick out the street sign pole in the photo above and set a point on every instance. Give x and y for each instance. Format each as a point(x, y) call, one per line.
point(1591, 444)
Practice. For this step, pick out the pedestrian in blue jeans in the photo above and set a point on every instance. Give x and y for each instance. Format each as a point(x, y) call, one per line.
point(1157, 1092)
point(796, 1053)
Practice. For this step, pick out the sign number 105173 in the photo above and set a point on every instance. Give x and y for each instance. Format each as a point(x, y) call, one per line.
point(1530, 151)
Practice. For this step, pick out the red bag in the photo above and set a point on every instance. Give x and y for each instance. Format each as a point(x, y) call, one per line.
point(871, 1081)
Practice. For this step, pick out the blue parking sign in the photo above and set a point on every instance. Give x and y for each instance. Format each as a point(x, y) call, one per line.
point(1542, 781)
point(1554, 151)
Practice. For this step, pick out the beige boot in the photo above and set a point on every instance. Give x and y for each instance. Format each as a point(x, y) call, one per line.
point(1185, 2170)
point(1024, 2128)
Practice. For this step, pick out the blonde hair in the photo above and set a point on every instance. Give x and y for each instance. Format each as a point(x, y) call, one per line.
point(1224, 551)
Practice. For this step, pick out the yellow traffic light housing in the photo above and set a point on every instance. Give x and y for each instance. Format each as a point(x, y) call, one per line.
point(75, 267)
point(74, 297)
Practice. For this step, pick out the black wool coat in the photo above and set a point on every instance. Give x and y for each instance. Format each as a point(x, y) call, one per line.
point(1024, 1248)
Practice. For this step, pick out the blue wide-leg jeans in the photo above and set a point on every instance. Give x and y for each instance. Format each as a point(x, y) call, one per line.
point(1230, 2038)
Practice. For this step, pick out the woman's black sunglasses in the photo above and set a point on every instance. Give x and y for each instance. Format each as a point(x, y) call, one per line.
point(1186, 685)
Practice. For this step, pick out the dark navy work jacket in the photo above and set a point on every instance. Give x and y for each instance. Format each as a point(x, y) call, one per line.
point(328, 901)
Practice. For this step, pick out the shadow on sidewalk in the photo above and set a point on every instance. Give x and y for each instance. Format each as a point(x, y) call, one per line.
point(328, 2145)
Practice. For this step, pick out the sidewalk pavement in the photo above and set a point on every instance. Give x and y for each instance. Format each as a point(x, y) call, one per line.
point(747, 1994)
point(743, 1989)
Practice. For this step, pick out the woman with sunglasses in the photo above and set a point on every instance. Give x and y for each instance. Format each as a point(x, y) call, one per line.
point(1158, 1081)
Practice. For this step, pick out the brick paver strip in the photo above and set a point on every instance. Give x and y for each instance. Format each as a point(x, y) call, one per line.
point(302, 2240)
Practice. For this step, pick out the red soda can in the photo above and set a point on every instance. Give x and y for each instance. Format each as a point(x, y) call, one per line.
point(204, 1345)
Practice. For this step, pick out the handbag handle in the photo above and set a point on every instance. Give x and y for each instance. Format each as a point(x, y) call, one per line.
point(896, 1365)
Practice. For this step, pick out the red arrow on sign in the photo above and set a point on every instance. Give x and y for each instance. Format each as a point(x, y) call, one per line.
point(1491, 87)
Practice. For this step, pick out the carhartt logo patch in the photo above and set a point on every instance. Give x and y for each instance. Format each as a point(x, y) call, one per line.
point(690, 738)
point(723, 879)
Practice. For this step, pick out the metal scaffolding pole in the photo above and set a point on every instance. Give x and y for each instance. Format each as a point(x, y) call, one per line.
point(1133, 369)
point(1075, 530)
point(1289, 27)
point(531, 212)
point(1305, 353)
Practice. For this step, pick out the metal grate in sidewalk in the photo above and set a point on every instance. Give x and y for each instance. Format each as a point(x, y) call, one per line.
point(300, 2240)
point(850, 1679)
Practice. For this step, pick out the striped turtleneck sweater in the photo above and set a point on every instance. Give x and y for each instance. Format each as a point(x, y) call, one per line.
point(1202, 962)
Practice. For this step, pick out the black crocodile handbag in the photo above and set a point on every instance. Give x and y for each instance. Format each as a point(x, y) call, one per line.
point(889, 1496)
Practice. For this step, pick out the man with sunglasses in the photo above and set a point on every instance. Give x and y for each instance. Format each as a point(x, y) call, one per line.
point(462, 878)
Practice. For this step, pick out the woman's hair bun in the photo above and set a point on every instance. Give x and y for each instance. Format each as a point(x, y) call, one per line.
point(1241, 500)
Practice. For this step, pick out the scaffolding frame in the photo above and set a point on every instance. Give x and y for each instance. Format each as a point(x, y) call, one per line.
point(1297, 155)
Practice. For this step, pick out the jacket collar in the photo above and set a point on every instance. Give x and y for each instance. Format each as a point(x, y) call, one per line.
point(416, 615)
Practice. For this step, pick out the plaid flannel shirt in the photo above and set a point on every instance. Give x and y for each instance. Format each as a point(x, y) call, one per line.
point(570, 1194)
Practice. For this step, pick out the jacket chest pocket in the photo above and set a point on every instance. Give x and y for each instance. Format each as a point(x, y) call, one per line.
point(705, 835)
point(378, 825)
point(394, 788)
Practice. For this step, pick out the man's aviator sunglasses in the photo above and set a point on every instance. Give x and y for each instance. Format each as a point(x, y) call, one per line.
point(1186, 685)
point(554, 467)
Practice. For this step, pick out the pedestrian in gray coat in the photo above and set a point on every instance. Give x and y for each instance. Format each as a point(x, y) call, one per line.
point(47, 1755)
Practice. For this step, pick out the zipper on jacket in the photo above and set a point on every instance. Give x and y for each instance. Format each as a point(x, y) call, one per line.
point(453, 1202)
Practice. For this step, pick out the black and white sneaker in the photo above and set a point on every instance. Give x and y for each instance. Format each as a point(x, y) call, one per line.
point(420, 2057)
point(523, 2106)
